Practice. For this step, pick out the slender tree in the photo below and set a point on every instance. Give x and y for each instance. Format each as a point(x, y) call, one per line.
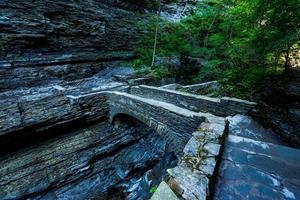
point(156, 33)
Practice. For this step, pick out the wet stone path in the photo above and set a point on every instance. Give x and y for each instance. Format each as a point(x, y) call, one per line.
point(256, 165)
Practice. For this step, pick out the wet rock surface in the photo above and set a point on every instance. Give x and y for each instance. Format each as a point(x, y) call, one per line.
point(245, 126)
point(256, 165)
point(84, 164)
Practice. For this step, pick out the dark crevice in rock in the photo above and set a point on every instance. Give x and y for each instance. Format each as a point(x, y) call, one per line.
point(16, 140)
point(80, 61)
point(215, 177)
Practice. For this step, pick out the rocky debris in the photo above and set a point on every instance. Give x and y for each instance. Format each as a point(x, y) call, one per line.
point(256, 165)
point(171, 63)
point(174, 12)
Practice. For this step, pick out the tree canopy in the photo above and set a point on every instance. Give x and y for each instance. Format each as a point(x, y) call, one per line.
point(242, 42)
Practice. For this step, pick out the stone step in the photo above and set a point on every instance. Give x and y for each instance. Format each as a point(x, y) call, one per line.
point(164, 192)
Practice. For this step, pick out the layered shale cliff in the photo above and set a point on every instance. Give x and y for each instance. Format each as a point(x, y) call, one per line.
point(49, 41)
point(51, 51)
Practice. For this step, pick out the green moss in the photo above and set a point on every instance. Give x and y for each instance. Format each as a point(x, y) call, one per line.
point(153, 189)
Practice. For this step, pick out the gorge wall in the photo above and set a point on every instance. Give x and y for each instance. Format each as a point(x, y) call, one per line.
point(49, 41)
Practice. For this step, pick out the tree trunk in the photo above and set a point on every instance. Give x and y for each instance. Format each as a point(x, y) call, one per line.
point(287, 58)
point(156, 34)
point(208, 31)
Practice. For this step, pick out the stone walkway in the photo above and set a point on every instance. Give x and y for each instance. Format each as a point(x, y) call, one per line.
point(192, 178)
point(256, 165)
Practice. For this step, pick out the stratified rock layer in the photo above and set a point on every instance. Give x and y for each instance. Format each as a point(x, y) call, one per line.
point(48, 41)
point(81, 164)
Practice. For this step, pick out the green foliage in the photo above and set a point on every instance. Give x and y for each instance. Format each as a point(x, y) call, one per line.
point(241, 42)
point(153, 72)
point(153, 189)
point(210, 71)
point(279, 25)
point(246, 82)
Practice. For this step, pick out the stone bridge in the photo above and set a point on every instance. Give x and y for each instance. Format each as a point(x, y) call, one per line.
point(174, 115)
point(193, 126)
point(173, 123)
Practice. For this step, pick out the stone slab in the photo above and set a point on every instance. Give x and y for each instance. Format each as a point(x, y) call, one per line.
point(164, 192)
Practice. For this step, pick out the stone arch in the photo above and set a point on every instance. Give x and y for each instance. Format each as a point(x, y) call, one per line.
point(125, 118)
point(125, 112)
point(172, 123)
point(173, 139)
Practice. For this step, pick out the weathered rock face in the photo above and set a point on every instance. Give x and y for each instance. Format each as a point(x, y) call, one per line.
point(46, 41)
point(280, 109)
point(85, 164)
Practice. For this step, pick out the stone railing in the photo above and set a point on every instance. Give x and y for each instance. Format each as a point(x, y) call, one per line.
point(224, 106)
point(212, 85)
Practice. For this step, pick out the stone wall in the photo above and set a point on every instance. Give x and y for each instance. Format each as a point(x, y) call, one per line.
point(43, 41)
point(195, 175)
point(224, 106)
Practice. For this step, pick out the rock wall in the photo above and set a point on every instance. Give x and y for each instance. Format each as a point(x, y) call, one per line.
point(40, 113)
point(82, 164)
point(279, 108)
point(45, 41)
